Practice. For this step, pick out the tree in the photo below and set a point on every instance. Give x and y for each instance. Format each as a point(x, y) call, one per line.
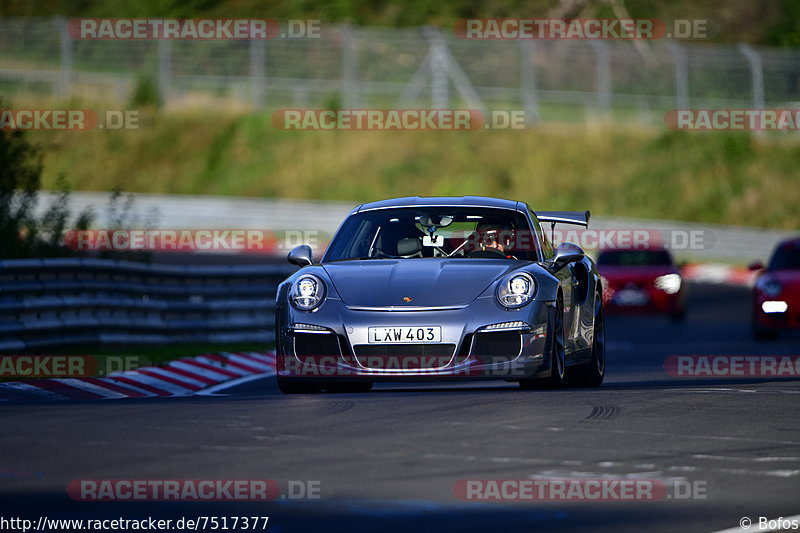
point(22, 233)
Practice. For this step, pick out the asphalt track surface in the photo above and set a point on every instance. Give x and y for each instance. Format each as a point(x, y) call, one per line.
point(388, 460)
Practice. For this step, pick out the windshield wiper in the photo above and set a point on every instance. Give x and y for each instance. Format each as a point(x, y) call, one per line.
point(357, 259)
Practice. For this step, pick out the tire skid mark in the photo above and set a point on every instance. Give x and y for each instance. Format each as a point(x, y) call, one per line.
point(603, 412)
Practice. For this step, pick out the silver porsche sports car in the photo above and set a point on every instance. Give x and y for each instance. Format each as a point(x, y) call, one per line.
point(441, 289)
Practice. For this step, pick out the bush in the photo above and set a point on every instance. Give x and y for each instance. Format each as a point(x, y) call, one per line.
point(22, 233)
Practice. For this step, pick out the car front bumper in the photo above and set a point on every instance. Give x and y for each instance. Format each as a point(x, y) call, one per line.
point(337, 348)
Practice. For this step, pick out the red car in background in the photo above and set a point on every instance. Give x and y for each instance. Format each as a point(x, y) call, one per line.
point(642, 280)
point(776, 293)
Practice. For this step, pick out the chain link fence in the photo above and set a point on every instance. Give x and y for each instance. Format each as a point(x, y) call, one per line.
point(367, 67)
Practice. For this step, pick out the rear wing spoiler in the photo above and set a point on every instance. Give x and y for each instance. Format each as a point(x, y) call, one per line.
point(580, 218)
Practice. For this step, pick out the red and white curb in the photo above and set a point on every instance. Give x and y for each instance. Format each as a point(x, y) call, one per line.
point(182, 377)
point(718, 273)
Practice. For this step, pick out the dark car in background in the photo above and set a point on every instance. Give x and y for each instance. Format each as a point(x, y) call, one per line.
point(644, 280)
point(776, 292)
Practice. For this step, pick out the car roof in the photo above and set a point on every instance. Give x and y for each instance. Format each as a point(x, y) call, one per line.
point(791, 242)
point(431, 201)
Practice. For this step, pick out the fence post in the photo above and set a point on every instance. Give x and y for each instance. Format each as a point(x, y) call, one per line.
point(681, 75)
point(257, 61)
point(756, 73)
point(164, 70)
point(530, 98)
point(349, 89)
point(440, 99)
point(603, 76)
point(65, 45)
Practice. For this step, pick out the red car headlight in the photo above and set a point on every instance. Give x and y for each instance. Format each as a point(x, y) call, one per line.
point(769, 286)
point(669, 283)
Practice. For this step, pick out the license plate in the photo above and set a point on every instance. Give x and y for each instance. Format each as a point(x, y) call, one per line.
point(631, 297)
point(405, 334)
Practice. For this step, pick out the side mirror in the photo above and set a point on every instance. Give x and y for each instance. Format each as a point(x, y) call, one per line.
point(566, 253)
point(301, 256)
point(755, 265)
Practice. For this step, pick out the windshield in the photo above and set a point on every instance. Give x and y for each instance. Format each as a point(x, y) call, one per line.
point(428, 232)
point(634, 258)
point(786, 257)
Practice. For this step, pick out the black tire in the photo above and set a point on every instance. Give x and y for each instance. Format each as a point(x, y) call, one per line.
point(591, 374)
point(355, 387)
point(761, 333)
point(678, 315)
point(298, 387)
point(557, 376)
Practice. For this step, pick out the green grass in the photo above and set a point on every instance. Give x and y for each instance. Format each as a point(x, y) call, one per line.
point(729, 178)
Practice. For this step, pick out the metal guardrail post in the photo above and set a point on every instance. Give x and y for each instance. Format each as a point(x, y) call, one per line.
point(165, 70)
point(440, 98)
point(350, 98)
point(529, 96)
point(257, 68)
point(756, 73)
point(66, 53)
point(603, 76)
point(681, 75)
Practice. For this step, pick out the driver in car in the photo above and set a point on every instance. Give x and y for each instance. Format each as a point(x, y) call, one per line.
point(495, 237)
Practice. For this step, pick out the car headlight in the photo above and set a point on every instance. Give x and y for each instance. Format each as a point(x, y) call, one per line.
point(307, 292)
point(769, 286)
point(516, 290)
point(669, 283)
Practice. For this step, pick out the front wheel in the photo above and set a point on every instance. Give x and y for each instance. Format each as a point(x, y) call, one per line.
point(557, 376)
point(761, 333)
point(591, 374)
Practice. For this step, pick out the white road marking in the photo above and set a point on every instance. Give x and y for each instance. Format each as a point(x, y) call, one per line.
point(174, 375)
point(768, 473)
point(560, 474)
point(268, 358)
point(91, 387)
point(38, 391)
point(596, 429)
point(125, 385)
point(215, 389)
point(234, 369)
point(199, 370)
point(166, 386)
point(249, 361)
point(746, 459)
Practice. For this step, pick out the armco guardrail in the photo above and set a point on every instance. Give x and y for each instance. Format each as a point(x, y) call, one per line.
point(49, 302)
point(737, 244)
